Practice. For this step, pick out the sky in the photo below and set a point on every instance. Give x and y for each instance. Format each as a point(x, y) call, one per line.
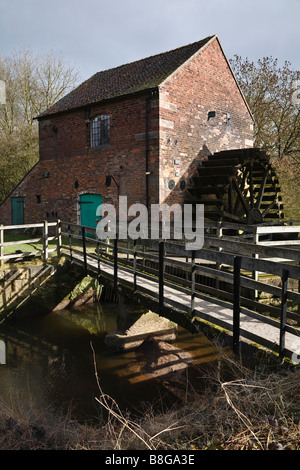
point(95, 35)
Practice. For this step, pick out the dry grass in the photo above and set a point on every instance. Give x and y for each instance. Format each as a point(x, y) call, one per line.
point(236, 409)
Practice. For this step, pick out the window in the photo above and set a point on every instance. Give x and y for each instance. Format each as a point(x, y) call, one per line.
point(100, 131)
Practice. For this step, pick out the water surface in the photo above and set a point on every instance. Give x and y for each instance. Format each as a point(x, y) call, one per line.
point(52, 361)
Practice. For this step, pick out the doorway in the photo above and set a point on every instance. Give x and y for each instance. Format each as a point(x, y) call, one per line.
point(17, 209)
point(89, 204)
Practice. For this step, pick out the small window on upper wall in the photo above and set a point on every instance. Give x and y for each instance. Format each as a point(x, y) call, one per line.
point(100, 131)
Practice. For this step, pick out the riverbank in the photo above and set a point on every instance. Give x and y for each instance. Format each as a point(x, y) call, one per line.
point(235, 409)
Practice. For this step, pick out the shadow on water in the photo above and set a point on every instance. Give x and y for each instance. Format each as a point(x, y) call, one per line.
point(49, 361)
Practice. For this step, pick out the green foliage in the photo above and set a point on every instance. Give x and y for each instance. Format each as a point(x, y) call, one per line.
point(88, 283)
point(288, 172)
point(33, 84)
point(268, 89)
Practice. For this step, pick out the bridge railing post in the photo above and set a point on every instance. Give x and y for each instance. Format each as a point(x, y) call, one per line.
point(116, 263)
point(98, 259)
point(193, 282)
point(284, 281)
point(255, 273)
point(59, 240)
point(134, 266)
point(84, 249)
point(236, 304)
point(70, 242)
point(161, 250)
point(45, 241)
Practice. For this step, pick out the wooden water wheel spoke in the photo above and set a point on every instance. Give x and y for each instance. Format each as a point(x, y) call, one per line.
point(237, 186)
point(261, 192)
point(230, 202)
point(244, 179)
point(232, 218)
point(242, 200)
point(251, 186)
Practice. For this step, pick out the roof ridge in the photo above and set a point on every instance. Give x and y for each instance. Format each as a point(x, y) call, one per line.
point(176, 49)
point(141, 75)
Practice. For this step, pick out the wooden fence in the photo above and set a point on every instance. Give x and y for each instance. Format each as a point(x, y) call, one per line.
point(226, 269)
point(237, 270)
point(40, 234)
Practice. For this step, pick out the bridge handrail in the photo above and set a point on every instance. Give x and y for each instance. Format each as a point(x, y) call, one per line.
point(44, 237)
point(242, 258)
point(220, 250)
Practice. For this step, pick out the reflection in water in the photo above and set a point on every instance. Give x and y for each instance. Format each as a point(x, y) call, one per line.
point(49, 360)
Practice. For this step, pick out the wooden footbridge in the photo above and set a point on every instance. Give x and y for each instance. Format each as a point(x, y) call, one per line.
point(223, 284)
point(246, 284)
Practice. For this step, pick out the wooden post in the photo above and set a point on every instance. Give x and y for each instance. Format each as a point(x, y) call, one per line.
point(161, 250)
point(219, 232)
point(84, 249)
point(256, 256)
point(45, 241)
point(193, 282)
point(1, 245)
point(70, 242)
point(116, 264)
point(58, 234)
point(98, 259)
point(107, 245)
point(236, 304)
point(134, 265)
point(219, 235)
point(284, 280)
point(144, 260)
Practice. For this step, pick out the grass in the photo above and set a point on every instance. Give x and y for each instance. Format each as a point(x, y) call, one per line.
point(25, 247)
point(235, 409)
point(34, 246)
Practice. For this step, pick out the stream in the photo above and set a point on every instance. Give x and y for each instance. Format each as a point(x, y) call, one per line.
point(52, 362)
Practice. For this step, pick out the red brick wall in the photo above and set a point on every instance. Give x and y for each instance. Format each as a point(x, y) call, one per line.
point(66, 154)
point(203, 84)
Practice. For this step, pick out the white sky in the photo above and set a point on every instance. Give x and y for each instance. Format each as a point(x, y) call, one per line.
point(94, 35)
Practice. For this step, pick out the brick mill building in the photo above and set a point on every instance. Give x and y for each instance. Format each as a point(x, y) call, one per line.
point(144, 126)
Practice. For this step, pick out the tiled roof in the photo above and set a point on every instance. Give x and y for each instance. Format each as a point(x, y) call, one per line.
point(144, 74)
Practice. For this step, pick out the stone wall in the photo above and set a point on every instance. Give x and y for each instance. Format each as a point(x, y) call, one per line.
point(17, 284)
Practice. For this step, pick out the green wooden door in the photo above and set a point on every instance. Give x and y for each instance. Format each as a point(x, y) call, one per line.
point(89, 204)
point(17, 209)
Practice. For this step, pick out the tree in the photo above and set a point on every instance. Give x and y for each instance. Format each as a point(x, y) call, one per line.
point(269, 91)
point(33, 84)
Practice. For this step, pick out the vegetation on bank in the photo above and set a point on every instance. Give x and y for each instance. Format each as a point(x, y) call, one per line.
point(235, 409)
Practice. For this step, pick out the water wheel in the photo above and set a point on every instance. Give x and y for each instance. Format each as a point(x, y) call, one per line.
point(238, 186)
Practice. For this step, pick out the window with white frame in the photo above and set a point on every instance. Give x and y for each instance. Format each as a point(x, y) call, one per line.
point(100, 130)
